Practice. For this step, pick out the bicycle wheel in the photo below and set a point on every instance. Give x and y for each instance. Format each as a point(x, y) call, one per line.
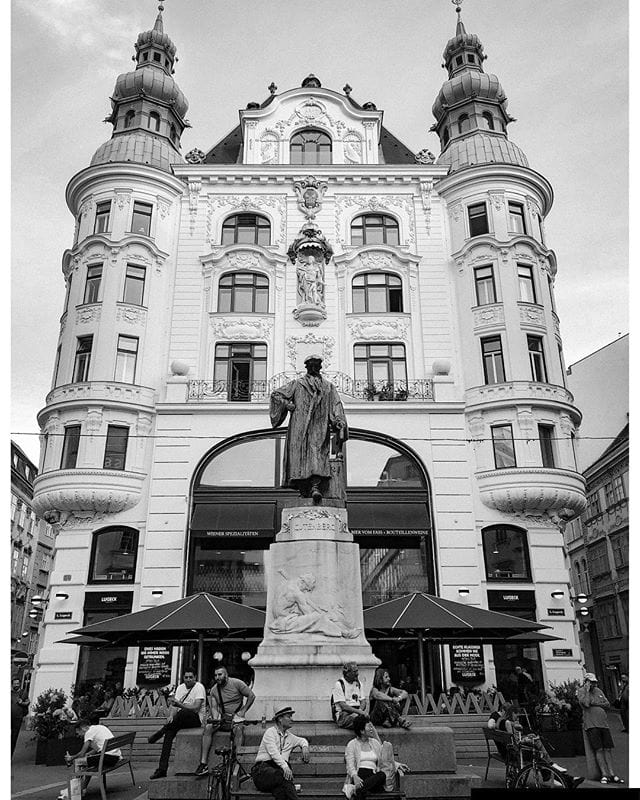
point(539, 776)
point(511, 773)
point(216, 790)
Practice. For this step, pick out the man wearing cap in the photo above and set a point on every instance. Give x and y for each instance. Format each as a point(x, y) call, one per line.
point(596, 725)
point(316, 411)
point(271, 772)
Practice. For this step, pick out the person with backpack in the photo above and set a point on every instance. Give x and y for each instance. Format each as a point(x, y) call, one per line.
point(347, 701)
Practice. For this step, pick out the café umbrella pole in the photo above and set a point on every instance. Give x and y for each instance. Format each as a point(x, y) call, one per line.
point(200, 655)
point(423, 694)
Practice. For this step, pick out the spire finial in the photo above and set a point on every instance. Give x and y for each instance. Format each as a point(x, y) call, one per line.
point(459, 25)
point(158, 26)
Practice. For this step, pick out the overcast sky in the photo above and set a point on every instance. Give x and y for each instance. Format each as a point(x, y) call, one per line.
point(562, 64)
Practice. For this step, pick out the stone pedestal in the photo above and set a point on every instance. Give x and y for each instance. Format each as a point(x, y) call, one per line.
point(314, 617)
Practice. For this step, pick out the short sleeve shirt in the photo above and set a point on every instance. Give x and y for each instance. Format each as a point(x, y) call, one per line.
point(233, 693)
point(98, 735)
point(351, 694)
point(198, 692)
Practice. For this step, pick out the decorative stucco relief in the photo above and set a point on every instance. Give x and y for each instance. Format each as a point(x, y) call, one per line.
point(269, 148)
point(131, 315)
point(88, 314)
point(323, 343)
point(311, 111)
point(352, 147)
point(123, 198)
point(241, 329)
point(195, 186)
point(246, 203)
point(378, 329)
point(532, 315)
point(488, 315)
point(164, 206)
point(426, 191)
point(497, 200)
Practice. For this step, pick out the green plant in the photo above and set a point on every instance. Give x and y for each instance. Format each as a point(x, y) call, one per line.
point(45, 724)
point(560, 701)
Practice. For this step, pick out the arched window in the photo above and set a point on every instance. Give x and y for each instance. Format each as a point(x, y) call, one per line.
point(154, 121)
point(128, 118)
point(445, 135)
point(375, 229)
point(243, 291)
point(376, 292)
point(113, 555)
point(488, 118)
point(506, 553)
point(310, 146)
point(246, 229)
point(463, 123)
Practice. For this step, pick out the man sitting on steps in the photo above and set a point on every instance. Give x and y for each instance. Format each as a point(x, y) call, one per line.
point(347, 700)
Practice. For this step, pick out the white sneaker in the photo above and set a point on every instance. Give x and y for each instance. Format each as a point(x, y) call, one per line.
point(348, 790)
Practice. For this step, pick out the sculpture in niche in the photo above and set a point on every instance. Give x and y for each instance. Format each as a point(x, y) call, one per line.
point(353, 148)
point(310, 252)
point(310, 275)
point(294, 610)
point(315, 412)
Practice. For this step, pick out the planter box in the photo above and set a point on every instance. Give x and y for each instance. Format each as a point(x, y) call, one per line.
point(563, 744)
point(56, 748)
point(41, 751)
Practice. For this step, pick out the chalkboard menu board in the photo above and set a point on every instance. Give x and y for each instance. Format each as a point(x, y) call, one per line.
point(154, 665)
point(467, 663)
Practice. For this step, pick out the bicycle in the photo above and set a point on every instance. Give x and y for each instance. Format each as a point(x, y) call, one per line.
point(219, 778)
point(537, 773)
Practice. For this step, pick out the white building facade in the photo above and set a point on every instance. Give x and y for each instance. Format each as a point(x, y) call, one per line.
point(426, 286)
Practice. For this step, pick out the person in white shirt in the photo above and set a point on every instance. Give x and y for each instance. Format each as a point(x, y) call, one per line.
point(188, 711)
point(94, 738)
point(347, 700)
point(271, 771)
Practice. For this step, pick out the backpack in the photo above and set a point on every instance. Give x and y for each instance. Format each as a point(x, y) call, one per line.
point(334, 709)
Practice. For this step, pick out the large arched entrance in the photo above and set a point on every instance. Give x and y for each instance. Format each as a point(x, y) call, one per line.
point(235, 515)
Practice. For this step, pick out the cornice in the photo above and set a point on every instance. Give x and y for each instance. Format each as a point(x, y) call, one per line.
point(118, 171)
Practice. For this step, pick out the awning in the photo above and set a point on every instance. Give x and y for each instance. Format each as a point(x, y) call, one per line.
point(230, 517)
point(410, 517)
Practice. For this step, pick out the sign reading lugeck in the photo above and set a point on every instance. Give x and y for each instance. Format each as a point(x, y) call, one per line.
point(154, 665)
point(467, 663)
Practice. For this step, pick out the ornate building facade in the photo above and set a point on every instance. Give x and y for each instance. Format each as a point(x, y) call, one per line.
point(196, 285)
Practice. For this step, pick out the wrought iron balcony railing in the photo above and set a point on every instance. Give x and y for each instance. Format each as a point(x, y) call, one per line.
point(259, 391)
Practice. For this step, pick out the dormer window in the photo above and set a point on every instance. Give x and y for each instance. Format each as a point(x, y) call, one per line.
point(157, 57)
point(310, 146)
point(128, 118)
point(471, 58)
point(145, 56)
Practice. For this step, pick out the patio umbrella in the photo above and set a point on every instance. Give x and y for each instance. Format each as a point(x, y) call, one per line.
point(445, 621)
point(90, 641)
point(188, 619)
point(534, 636)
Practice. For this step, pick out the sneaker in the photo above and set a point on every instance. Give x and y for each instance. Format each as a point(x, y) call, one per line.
point(604, 779)
point(157, 774)
point(615, 779)
point(202, 769)
point(558, 767)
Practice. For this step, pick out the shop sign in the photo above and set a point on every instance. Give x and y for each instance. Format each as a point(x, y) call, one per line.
point(238, 534)
point(63, 615)
point(389, 532)
point(467, 663)
point(154, 664)
point(562, 652)
point(509, 598)
point(555, 612)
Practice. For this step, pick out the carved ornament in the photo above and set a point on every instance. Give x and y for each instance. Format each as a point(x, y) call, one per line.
point(425, 156)
point(456, 212)
point(376, 203)
point(378, 329)
point(309, 194)
point(323, 343)
point(497, 200)
point(352, 144)
point(488, 315)
point(531, 314)
point(194, 156)
point(241, 329)
point(123, 198)
point(132, 315)
point(88, 314)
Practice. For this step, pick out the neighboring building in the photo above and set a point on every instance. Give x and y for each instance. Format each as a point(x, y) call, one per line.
point(32, 542)
point(195, 287)
point(599, 383)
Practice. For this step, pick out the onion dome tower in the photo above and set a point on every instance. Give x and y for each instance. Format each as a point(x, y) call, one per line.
point(148, 107)
point(471, 108)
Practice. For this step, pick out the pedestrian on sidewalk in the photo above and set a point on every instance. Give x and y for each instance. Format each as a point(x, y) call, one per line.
point(19, 710)
point(622, 702)
point(594, 719)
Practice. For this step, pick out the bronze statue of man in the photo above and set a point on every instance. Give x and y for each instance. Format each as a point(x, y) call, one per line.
point(316, 411)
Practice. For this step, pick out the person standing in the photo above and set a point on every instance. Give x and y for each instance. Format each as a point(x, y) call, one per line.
point(188, 709)
point(19, 709)
point(594, 719)
point(385, 701)
point(347, 700)
point(622, 702)
point(271, 771)
point(229, 701)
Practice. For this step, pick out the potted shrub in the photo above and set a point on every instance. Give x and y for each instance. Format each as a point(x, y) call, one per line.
point(559, 720)
point(52, 730)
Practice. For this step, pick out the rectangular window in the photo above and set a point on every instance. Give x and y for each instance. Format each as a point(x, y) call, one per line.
point(614, 491)
point(115, 451)
point(380, 370)
point(536, 359)
point(83, 359)
point(605, 615)
point(141, 219)
point(504, 451)
point(593, 504)
point(478, 219)
point(126, 358)
point(516, 218)
point(103, 214)
point(598, 559)
point(620, 547)
point(526, 285)
point(68, 294)
point(134, 285)
point(492, 360)
point(70, 447)
point(240, 368)
point(546, 435)
point(485, 286)
point(92, 286)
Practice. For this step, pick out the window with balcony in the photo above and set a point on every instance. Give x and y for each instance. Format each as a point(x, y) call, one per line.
point(375, 229)
point(241, 367)
point(536, 359)
point(246, 229)
point(103, 216)
point(376, 292)
point(614, 491)
point(506, 553)
point(620, 548)
point(115, 450)
point(134, 285)
point(113, 555)
point(70, 447)
point(310, 146)
point(141, 218)
point(92, 286)
point(599, 559)
point(593, 504)
point(82, 360)
point(526, 285)
point(504, 452)
point(485, 285)
point(492, 359)
point(516, 217)
point(478, 219)
point(383, 367)
point(546, 436)
point(126, 359)
point(243, 292)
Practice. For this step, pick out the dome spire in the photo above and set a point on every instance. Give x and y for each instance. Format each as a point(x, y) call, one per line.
point(460, 24)
point(158, 26)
